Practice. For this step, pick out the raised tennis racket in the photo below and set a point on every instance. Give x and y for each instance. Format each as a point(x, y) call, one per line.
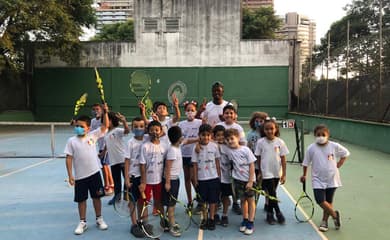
point(124, 204)
point(80, 103)
point(304, 208)
point(177, 90)
point(140, 85)
point(152, 226)
point(99, 83)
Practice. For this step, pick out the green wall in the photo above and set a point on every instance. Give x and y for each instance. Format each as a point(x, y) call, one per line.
point(368, 134)
point(55, 90)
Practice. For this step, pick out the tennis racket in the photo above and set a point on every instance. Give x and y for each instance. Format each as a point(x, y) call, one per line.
point(124, 204)
point(152, 226)
point(264, 193)
point(198, 218)
point(177, 90)
point(99, 83)
point(304, 208)
point(186, 221)
point(140, 85)
point(80, 103)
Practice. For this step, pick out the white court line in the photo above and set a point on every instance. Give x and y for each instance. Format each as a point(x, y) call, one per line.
point(27, 167)
point(322, 235)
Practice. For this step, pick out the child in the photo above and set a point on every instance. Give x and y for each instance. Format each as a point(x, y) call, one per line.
point(271, 154)
point(243, 176)
point(115, 146)
point(171, 182)
point(152, 158)
point(96, 122)
point(207, 174)
point(132, 171)
point(81, 154)
point(190, 128)
point(322, 156)
point(226, 174)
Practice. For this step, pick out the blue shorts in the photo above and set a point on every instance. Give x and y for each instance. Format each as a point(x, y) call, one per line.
point(134, 190)
point(322, 195)
point(226, 189)
point(209, 190)
point(187, 162)
point(240, 189)
point(92, 184)
point(167, 200)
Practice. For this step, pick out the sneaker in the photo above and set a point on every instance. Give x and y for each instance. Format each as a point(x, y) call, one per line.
point(249, 228)
point(211, 224)
point(81, 228)
point(237, 208)
point(203, 224)
point(243, 225)
point(155, 212)
point(136, 231)
point(337, 220)
point(175, 230)
point(224, 221)
point(323, 227)
point(270, 219)
point(101, 224)
point(217, 219)
point(108, 191)
point(280, 217)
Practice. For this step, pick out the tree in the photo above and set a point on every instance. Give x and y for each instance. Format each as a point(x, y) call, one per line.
point(56, 23)
point(260, 23)
point(117, 32)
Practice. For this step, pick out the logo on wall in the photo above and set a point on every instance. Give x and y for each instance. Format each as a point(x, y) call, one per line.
point(179, 89)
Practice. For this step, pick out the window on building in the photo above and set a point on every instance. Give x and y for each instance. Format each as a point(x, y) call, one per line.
point(171, 24)
point(150, 25)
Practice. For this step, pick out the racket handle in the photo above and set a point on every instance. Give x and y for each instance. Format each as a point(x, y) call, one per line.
point(143, 195)
point(304, 186)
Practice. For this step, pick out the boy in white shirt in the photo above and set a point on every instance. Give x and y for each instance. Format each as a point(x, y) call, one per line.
point(207, 173)
point(322, 156)
point(243, 176)
point(171, 182)
point(132, 171)
point(152, 158)
point(81, 154)
point(230, 116)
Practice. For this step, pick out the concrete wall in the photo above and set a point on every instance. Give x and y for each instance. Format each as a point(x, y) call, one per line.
point(208, 35)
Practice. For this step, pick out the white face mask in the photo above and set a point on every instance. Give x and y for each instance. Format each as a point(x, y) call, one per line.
point(321, 140)
point(190, 115)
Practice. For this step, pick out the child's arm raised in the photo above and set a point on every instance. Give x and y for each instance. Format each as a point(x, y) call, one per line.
point(175, 103)
point(105, 123)
point(142, 109)
point(122, 119)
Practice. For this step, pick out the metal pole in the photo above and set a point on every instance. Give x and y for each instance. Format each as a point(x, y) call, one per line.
point(52, 140)
point(310, 72)
point(380, 61)
point(302, 140)
point(327, 78)
point(346, 76)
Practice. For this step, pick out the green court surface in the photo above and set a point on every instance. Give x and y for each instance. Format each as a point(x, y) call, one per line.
point(36, 203)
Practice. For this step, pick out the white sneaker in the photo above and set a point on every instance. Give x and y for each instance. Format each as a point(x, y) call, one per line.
point(101, 224)
point(81, 228)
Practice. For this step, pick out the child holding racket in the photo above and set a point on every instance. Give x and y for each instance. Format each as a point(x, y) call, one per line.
point(115, 146)
point(171, 179)
point(132, 172)
point(271, 154)
point(190, 128)
point(322, 156)
point(152, 156)
point(207, 173)
point(243, 176)
point(81, 155)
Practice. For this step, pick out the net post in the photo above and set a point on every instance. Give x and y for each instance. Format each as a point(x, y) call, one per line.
point(302, 141)
point(52, 140)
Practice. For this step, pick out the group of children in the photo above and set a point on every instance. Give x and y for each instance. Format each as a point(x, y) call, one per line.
point(209, 146)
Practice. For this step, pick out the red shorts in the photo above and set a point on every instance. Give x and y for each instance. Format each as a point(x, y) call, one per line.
point(155, 190)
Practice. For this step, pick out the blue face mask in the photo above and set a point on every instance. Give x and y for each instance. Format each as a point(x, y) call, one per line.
point(79, 131)
point(138, 132)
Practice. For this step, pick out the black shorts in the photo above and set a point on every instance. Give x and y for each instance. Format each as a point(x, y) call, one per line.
point(134, 190)
point(167, 200)
point(226, 189)
point(93, 184)
point(321, 195)
point(240, 189)
point(187, 162)
point(209, 190)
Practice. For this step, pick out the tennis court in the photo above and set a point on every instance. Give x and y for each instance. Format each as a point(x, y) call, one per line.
point(36, 203)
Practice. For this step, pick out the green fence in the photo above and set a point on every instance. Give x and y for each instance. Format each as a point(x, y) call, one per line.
point(255, 88)
point(363, 133)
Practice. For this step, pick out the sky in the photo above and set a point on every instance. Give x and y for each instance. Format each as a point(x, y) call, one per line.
point(323, 12)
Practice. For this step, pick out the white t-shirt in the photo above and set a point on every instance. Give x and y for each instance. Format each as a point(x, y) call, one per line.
point(153, 155)
point(83, 151)
point(115, 145)
point(133, 152)
point(166, 124)
point(323, 161)
point(189, 129)
point(95, 124)
point(239, 129)
point(206, 160)
point(212, 112)
point(174, 154)
point(270, 152)
point(226, 164)
point(241, 157)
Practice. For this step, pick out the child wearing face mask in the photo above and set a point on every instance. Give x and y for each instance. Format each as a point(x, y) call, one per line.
point(325, 158)
point(83, 168)
point(189, 128)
